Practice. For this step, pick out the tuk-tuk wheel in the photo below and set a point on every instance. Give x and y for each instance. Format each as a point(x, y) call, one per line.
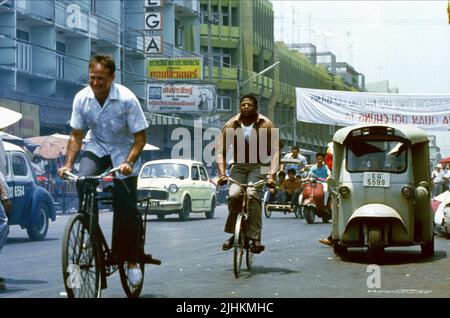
point(427, 249)
point(339, 249)
point(376, 248)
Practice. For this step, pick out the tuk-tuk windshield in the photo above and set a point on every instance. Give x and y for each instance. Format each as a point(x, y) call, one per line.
point(383, 156)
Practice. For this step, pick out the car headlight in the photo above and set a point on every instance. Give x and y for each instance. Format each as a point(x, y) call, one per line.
point(344, 191)
point(173, 188)
point(407, 192)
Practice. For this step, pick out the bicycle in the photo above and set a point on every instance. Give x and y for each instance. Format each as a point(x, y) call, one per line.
point(241, 240)
point(87, 259)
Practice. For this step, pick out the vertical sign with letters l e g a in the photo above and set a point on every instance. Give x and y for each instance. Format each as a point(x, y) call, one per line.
point(152, 3)
point(153, 22)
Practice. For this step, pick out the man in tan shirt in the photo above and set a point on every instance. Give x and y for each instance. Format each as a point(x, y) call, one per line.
point(290, 188)
point(253, 139)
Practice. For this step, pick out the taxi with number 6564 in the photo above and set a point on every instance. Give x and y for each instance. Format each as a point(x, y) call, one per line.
point(32, 205)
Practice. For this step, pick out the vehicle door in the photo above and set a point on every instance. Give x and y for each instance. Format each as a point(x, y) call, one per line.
point(196, 188)
point(21, 185)
point(205, 187)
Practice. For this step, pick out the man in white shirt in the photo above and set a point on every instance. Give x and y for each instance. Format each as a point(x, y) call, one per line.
point(436, 177)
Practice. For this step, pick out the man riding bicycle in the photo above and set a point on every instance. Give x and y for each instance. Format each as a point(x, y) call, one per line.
point(116, 137)
point(247, 133)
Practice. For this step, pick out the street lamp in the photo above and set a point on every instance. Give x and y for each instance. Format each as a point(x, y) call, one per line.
point(251, 78)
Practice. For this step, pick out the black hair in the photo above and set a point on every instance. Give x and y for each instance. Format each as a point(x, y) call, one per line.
point(294, 148)
point(291, 171)
point(320, 154)
point(249, 97)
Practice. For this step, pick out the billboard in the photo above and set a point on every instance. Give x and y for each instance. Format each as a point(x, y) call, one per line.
point(175, 69)
point(173, 98)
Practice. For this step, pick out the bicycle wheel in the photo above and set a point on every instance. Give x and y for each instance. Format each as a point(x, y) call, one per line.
point(80, 260)
point(130, 290)
point(238, 250)
point(249, 258)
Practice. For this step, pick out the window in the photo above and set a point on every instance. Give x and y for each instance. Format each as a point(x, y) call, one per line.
point(23, 53)
point(214, 15)
point(194, 173)
point(179, 32)
point(203, 13)
point(19, 166)
point(225, 16)
point(23, 35)
point(203, 174)
point(223, 100)
point(221, 56)
point(381, 156)
point(93, 6)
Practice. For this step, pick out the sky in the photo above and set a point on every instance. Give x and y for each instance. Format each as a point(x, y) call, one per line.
point(404, 42)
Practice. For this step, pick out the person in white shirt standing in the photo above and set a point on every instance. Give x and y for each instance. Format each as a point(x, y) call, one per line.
point(437, 179)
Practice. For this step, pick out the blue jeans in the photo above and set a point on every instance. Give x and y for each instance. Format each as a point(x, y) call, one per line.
point(4, 229)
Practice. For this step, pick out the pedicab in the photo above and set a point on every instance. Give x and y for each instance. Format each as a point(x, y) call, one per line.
point(271, 203)
point(380, 186)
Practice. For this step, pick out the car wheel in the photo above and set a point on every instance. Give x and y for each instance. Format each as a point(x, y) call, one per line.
point(186, 209)
point(210, 214)
point(37, 230)
point(160, 216)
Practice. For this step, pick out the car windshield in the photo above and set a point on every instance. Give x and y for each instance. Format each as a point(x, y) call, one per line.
point(384, 156)
point(165, 170)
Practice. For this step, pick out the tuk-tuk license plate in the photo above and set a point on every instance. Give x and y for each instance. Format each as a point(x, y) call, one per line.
point(377, 179)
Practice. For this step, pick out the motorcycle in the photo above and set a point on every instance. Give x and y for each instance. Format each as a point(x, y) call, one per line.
point(312, 200)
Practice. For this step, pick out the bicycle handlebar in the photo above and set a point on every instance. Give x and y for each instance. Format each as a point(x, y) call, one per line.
point(73, 177)
point(253, 185)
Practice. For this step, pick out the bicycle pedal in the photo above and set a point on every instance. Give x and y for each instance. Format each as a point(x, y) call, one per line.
point(148, 259)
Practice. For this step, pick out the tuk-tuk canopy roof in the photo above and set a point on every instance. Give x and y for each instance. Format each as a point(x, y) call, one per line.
point(413, 134)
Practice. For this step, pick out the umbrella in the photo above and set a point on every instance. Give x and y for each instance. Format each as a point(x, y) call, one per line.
point(50, 147)
point(445, 160)
point(17, 141)
point(150, 147)
point(8, 117)
point(441, 198)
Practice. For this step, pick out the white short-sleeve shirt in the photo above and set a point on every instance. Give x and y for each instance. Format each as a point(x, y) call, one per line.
point(112, 126)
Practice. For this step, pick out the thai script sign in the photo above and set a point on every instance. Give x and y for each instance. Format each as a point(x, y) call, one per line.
point(172, 98)
point(175, 69)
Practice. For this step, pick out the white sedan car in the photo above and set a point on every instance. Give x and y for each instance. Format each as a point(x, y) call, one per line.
point(178, 186)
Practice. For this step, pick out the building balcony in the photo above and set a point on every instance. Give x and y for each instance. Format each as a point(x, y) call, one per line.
point(43, 9)
point(221, 36)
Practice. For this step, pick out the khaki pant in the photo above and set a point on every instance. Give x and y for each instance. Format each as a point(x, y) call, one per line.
point(245, 173)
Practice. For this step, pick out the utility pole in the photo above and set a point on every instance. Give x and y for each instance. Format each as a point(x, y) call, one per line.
point(210, 60)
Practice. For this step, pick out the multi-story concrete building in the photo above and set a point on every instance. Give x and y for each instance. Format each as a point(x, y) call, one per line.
point(45, 47)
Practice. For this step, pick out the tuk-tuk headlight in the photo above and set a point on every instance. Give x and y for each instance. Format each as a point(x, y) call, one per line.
point(173, 188)
point(407, 192)
point(344, 191)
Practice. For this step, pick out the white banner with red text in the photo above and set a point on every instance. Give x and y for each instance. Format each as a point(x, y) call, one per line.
point(429, 112)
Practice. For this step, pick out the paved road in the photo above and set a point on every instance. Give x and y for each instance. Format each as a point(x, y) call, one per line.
point(294, 265)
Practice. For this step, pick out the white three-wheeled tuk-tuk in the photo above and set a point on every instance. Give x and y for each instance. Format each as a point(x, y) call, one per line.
point(380, 187)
